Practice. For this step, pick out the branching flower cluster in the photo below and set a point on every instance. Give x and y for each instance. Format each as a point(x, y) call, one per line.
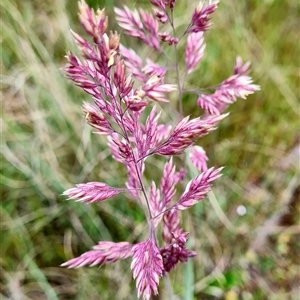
point(122, 86)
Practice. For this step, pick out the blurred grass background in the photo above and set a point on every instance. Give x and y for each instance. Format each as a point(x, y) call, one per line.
point(46, 148)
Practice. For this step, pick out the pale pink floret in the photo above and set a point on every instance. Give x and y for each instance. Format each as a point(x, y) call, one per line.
point(92, 192)
point(133, 63)
point(103, 253)
point(130, 21)
point(240, 68)
point(95, 118)
point(198, 158)
point(149, 138)
point(201, 17)
point(171, 225)
point(186, 132)
point(95, 24)
point(167, 183)
point(156, 205)
point(208, 104)
point(147, 267)
point(163, 132)
point(239, 85)
point(82, 75)
point(180, 175)
point(194, 50)
point(197, 188)
point(151, 29)
point(103, 51)
point(155, 89)
point(137, 101)
point(122, 82)
point(152, 68)
point(139, 24)
point(92, 73)
point(87, 50)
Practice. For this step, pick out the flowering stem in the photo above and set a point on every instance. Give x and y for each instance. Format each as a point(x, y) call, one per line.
point(177, 67)
point(142, 186)
point(134, 159)
point(180, 88)
point(137, 169)
point(169, 286)
point(163, 212)
point(166, 56)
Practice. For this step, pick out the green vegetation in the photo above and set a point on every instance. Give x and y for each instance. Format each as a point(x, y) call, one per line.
point(47, 148)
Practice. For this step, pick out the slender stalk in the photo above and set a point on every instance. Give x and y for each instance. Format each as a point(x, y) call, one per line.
point(163, 212)
point(137, 171)
point(166, 56)
point(169, 286)
point(177, 67)
point(180, 87)
point(142, 187)
point(135, 161)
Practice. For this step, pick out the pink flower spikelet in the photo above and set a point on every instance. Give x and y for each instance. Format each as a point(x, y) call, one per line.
point(197, 188)
point(199, 158)
point(238, 85)
point(194, 50)
point(92, 192)
point(104, 252)
point(147, 267)
point(200, 19)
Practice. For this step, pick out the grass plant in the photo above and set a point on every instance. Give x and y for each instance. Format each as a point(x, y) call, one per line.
point(46, 147)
